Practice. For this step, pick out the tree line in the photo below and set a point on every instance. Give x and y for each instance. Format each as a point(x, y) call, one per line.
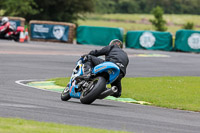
point(145, 6)
point(72, 10)
point(54, 10)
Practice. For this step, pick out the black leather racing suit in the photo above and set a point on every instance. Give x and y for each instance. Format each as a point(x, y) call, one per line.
point(113, 54)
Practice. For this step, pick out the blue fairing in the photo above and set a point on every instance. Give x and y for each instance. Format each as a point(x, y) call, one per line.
point(77, 70)
point(109, 67)
point(72, 91)
point(72, 84)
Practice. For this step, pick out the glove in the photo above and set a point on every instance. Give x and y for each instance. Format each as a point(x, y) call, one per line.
point(85, 57)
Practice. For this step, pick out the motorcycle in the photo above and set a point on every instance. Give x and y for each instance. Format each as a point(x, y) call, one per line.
point(88, 90)
point(12, 34)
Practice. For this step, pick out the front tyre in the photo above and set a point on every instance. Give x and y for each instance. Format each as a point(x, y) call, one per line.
point(96, 87)
point(65, 94)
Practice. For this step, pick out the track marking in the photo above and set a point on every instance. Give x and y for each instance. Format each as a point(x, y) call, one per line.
point(74, 53)
point(20, 82)
point(19, 105)
point(149, 55)
point(50, 86)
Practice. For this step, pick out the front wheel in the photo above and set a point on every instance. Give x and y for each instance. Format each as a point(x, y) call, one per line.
point(95, 88)
point(65, 94)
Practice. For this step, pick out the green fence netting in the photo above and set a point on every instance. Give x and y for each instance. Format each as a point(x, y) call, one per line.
point(149, 40)
point(187, 40)
point(92, 35)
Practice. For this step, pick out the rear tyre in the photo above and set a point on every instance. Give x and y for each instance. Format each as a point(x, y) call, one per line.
point(65, 96)
point(95, 88)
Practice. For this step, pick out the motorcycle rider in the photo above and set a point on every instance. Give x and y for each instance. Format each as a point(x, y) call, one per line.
point(5, 27)
point(113, 53)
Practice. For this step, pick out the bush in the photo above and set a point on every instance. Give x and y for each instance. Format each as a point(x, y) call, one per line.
point(188, 25)
point(159, 23)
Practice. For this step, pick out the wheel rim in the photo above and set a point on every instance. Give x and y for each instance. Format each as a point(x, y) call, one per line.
point(90, 88)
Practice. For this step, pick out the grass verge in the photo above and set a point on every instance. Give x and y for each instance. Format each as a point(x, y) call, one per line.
point(135, 21)
point(174, 18)
point(170, 92)
point(15, 125)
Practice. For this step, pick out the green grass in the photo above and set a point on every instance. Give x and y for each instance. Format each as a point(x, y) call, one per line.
point(126, 26)
point(15, 125)
point(170, 92)
point(126, 21)
point(175, 18)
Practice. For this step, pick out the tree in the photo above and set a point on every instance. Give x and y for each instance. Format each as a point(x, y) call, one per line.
point(2, 12)
point(55, 10)
point(62, 10)
point(18, 8)
point(145, 6)
point(158, 22)
point(127, 6)
point(105, 6)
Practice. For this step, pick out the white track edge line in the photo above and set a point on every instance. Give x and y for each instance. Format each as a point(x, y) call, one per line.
point(20, 83)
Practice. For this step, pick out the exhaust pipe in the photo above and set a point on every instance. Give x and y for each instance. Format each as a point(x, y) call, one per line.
point(108, 92)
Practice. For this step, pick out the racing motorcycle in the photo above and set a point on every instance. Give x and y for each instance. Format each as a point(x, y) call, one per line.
point(12, 34)
point(88, 90)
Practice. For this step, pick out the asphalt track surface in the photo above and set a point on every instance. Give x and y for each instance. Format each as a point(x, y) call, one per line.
point(37, 60)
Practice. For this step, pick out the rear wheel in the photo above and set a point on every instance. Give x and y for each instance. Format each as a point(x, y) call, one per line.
point(96, 87)
point(65, 94)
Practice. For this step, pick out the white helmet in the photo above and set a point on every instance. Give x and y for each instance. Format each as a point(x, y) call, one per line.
point(4, 20)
